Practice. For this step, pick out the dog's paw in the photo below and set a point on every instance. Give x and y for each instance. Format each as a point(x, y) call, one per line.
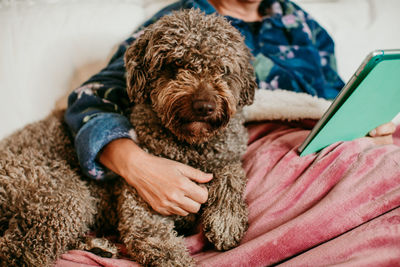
point(166, 258)
point(167, 250)
point(99, 246)
point(182, 261)
point(225, 228)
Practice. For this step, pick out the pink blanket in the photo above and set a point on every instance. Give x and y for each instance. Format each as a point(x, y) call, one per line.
point(340, 206)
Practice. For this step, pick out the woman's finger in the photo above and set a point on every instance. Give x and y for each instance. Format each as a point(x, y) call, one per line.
point(190, 205)
point(177, 211)
point(384, 129)
point(382, 140)
point(196, 192)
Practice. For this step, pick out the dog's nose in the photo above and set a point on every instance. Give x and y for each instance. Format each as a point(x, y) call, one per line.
point(203, 107)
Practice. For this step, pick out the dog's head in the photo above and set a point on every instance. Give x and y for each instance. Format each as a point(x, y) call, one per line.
point(194, 70)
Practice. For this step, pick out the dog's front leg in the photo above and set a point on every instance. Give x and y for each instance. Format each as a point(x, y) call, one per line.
point(225, 214)
point(149, 237)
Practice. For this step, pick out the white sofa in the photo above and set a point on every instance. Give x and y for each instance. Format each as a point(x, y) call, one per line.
point(49, 47)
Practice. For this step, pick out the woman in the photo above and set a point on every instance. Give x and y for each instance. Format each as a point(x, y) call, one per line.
point(90, 116)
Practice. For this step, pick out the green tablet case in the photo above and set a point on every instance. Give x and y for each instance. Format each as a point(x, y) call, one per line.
point(375, 101)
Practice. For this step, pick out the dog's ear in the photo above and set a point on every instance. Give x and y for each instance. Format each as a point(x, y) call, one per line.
point(136, 70)
point(248, 80)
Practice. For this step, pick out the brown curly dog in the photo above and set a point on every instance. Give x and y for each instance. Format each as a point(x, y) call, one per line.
point(189, 75)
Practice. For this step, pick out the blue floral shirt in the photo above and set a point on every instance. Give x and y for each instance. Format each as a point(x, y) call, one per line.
point(291, 50)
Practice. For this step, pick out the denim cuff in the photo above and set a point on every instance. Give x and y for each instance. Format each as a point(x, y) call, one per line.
point(96, 134)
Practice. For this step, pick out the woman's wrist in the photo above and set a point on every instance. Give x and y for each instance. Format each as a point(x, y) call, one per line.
point(120, 155)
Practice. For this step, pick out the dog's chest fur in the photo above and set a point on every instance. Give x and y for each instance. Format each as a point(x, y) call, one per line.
point(226, 146)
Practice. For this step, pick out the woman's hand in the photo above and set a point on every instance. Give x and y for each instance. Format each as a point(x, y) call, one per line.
point(383, 134)
point(167, 186)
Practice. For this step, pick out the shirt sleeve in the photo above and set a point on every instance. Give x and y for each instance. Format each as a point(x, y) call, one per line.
point(326, 49)
point(96, 113)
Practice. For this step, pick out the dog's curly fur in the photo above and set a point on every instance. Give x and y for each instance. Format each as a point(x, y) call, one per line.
point(182, 60)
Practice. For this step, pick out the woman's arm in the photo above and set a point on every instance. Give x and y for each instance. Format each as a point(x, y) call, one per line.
point(96, 113)
point(326, 50)
point(96, 110)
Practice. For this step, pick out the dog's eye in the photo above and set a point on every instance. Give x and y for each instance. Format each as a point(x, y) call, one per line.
point(170, 70)
point(178, 62)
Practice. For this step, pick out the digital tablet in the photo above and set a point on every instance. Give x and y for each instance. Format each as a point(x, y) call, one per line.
point(370, 98)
